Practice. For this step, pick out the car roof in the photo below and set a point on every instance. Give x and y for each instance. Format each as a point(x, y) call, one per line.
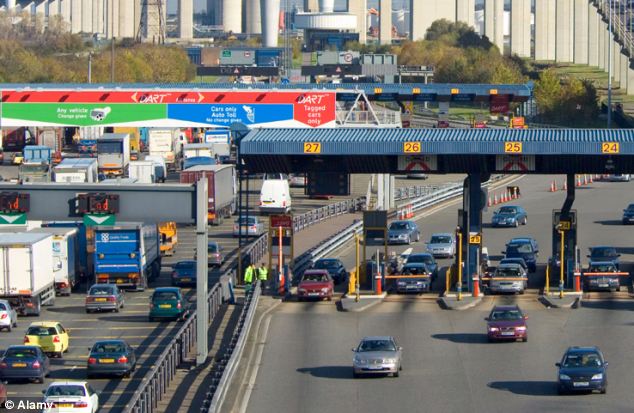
point(103, 285)
point(601, 247)
point(316, 271)
point(510, 206)
point(521, 239)
point(509, 265)
point(44, 323)
point(402, 220)
point(506, 307)
point(512, 259)
point(110, 342)
point(22, 346)
point(602, 263)
point(68, 383)
point(582, 349)
point(377, 338)
point(172, 289)
point(420, 254)
point(443, 234)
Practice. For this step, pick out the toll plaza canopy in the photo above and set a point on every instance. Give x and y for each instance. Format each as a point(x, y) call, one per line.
point(364, 150)
point(374, 91)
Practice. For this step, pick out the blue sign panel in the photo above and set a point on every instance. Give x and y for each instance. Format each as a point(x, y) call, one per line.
point(226, 114)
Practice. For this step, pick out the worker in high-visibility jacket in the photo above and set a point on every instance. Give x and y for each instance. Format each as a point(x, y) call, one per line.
point(263, 273)
point(248, 277)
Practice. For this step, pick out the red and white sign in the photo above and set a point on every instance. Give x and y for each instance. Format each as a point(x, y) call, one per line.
point(499, 104)
point(284, 221)
point(514, 163)
point(417, 163)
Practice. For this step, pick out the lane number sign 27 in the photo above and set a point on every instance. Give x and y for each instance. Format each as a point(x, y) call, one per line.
point(312, 147)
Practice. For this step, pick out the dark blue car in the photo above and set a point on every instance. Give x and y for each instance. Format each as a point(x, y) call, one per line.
point(24, 363)
point(414, 285)
point(582, 369)
point(184, 273)
point(426, 259)
point(525, 248)
point(605, 254)
point(335, 268)
point(509, 216)
point(628, 214)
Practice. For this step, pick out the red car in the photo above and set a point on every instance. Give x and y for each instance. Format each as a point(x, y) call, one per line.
point(3, 394)
point(315, 284)
point(507, 322)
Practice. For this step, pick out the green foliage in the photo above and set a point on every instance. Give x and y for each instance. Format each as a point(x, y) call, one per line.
point(566, 101)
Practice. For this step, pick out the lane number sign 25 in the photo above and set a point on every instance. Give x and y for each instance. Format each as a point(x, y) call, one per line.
point(512, 147)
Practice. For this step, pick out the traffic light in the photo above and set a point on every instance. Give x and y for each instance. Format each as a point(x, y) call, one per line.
point(14, 202)
point(97, 203)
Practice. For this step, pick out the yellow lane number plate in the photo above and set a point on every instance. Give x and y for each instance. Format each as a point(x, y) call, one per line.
point(411, 147)
point(312, 147)
point(512, 147)
point(475, 239)
point(610, 147)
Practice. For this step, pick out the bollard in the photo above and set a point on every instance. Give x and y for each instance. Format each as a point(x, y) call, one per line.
point(561, 289)
point(578, 282)
point(379, 286)
point(352, 282)
point(476, 285)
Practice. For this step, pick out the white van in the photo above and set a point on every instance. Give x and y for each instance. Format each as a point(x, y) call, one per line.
point(275, 195)
point(160, 169)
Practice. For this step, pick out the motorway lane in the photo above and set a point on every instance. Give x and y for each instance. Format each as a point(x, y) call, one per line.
point(449, 366)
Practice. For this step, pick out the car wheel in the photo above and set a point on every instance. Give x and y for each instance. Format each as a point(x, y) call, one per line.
point(15, 324)
point(517, 223)
point(604, 390)
point(355, 375)
point(409, 240)
point(40, 380)
point(560, 390)
point(60, 354)
point(89, 376)
point(330, 298)
point(417, 237)
point(525, 221)
point(395, 374)
point(126, 375)
point(9, 328)
point(525, 339)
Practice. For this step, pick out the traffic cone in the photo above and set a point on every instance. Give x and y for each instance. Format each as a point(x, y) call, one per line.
point(578, 182)
point(495, 200)
point(489, 202)
point(585, 179)
point(504, 197)
point(590, 180)
point(553, 186)
point(565, 186)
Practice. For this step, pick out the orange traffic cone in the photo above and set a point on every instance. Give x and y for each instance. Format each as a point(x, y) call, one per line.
point(495, 200)
point(553, 186)
point(565, 186)
point(489, 202)
point(590, 180)
point(578, 182)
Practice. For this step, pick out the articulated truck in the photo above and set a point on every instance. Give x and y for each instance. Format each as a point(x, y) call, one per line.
point(127, 254)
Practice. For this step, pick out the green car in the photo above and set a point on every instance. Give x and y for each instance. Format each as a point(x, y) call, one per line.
point(168, 302)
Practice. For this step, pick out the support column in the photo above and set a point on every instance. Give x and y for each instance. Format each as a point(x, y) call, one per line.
point(580, 32)
point(53, 8)
point(565, 25)
point(75, 16)
point(385, 22)
point(616, 61)
point(97, 16)
point(608, 45)
point(521, 28)
point(86, 19)
point(41, 10)
point(311, 5)
point(473, 206)
point(625, 61)
point(126, 19)
point(202, 323)
point(360, 9)
point(465, 12)
point(494, 22)
point(630, 78)
point(545, 27)
point(186, 18)
point(424, 13)
point(593, 35)
point(602, 45)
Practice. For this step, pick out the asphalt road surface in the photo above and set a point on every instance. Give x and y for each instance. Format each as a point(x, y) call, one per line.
point(448, 364)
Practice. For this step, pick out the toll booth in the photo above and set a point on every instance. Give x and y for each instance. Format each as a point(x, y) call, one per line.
point(281, 250)
point(564, 233)
point(374, 237)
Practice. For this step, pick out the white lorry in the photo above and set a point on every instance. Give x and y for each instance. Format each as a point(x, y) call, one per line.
point(75, 170)
point(193, 150)
point(162, 142)
point(65, 249)
point(26, 267)
point(142, 171)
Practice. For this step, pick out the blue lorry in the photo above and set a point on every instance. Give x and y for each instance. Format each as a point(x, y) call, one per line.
point(127, 254)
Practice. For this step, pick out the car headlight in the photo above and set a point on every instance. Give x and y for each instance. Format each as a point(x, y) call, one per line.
point(359, 360)
point(419, 283)
point(389, 361)
point(403, 236)
point(493, 329)
point(598, 376)
point(302, 290)
point(402, 283)
point(520, 328)
point(564, 377)
point(325, 289)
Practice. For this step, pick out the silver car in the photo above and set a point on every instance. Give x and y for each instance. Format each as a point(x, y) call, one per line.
point(442, 245)
point(508, 278)
point(104, 297)
point(8, 316)
point(377, 355)
point(251, 226)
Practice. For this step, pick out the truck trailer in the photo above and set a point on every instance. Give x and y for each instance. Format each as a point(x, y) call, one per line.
point(36, 166)
point(162, 142)
point(26, 265)
point(113, 154)
point(85, 246)
point(76, 170)
point(142, 171)
point(65, 247)
point(221, 186)
point(127, 255)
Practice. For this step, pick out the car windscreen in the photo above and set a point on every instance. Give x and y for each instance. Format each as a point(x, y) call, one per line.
point(315, 277)
point(66, 390)
point(321, 264)
point(602, 268)
point(518, 249)
point(212, 247)
point(507, 272)
point(508, 210)
point(440, 239)
point(579, 359)
point(185, 265)
point(503, 315)
point(398, 226)
point(246, 221)
point(513, 261)
point(41, 331)
point(414, 259)
point(414, 270)
point(102, 290)
point(20, 353)
point(376, 345)
point(164, 295)
point(603, 253)
point(108, 348)
point(3, 307)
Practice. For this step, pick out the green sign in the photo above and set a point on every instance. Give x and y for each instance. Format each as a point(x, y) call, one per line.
point(226, 53)
point(84, 114)
point(94, 220)
point(18, 218)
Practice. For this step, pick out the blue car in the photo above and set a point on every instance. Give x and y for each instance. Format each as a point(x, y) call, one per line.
point(525, 248)
point(335, 268)
point(582, 369)
point(184, 273)
point(605, 254)
point(414, 285)
point(509, 216)
point(403, 232)
point(426, 259)
point(628, 214)
point(24, 363)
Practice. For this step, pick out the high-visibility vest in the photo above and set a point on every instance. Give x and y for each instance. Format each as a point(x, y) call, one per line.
point(248, 274)
point(263, 274)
